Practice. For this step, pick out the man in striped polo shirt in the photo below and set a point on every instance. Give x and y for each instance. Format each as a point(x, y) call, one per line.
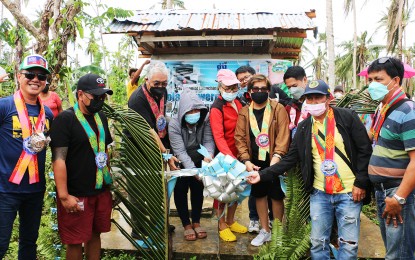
point(392, 165)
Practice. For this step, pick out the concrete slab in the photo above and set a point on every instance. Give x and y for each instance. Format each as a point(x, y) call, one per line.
point(370, 242)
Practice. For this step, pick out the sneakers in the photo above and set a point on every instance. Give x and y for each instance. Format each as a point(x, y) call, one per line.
point(262, 237)
point(253, 226)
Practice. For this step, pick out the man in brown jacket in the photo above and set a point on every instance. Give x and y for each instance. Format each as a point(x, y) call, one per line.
point(262, 136)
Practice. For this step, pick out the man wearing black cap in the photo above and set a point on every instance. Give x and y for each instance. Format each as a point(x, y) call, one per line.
point(334, 151)
point(80, 163)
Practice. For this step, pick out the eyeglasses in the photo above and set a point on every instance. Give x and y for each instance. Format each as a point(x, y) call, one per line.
point(102, 97)
point(385, 59)
point(231, 89)
point(259, 89)
point(32, 75)
point(158, 84)
point(246, 78)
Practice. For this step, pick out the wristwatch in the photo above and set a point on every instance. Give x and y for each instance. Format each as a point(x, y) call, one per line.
point(400, 200)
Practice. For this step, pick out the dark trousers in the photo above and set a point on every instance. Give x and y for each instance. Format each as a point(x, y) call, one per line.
point(196, 198)
point(29, 206)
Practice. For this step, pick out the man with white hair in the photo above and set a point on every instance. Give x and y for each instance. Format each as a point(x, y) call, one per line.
point(150, 101)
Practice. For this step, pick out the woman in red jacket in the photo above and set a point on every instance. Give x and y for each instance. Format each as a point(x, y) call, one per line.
point(223, 117)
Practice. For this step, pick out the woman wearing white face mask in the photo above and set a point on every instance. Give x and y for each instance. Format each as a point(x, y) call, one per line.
point(223, 117)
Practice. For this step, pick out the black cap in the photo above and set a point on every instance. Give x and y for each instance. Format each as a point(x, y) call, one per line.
point(93, 84)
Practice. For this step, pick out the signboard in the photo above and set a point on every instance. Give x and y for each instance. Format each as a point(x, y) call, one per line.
point(200, 75)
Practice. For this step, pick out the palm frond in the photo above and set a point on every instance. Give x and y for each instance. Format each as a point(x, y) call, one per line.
point(290, 239)
point(140, 176)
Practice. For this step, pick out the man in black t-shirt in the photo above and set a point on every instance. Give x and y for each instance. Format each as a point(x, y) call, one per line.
point(80, 136)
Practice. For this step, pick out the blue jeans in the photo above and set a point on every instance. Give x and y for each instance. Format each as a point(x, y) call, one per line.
point(399, 242)
point(323, 208)
point(29, 206)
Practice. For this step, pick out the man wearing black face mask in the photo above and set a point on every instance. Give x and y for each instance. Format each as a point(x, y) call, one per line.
point(80, 162)
point(261, 138)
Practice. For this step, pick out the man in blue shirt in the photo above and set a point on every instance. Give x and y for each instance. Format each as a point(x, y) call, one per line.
point(24, 122)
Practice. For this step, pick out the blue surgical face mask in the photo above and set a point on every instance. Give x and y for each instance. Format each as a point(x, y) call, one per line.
point(229, 96)
point(241, 91)
point(192, 118)
point(378, 91)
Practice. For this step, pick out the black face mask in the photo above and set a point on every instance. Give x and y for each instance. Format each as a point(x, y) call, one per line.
point(259, 97)
point(46, 89)
point(157, 92)
point(95, 105)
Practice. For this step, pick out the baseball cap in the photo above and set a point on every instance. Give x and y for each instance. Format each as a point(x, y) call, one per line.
point(317, 87)
point(34, 61)
point(93, 84)
point(338, 88)
point(227, 77)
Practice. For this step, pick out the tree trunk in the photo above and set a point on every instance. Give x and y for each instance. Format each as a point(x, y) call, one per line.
point(169, 4)
point(399, 22)
point(330, 43)
point(354, 44)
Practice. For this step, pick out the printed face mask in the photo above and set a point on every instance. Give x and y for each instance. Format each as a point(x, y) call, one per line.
point(192, 118)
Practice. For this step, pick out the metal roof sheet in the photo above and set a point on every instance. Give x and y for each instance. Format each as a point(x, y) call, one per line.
point(198, 20)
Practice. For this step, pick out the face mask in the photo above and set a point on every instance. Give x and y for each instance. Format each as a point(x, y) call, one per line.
point(378, 91)
point(229, 96)
point(338, 95)
point(316, 109)
point(157, 92)
point(192, 118)
point(46, 89)
point(259, 97)
point(241, 91)
point(95, 106)
point(297, 92)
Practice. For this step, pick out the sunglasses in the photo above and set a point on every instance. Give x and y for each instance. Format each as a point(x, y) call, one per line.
point(32, 75)
point(257, 89)
point(102, 97)
point(158, 84)
point(385, 59)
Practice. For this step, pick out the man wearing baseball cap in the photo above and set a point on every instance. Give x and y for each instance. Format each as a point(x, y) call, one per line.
point(79, 153)
point(24, 127)
point(334, 151)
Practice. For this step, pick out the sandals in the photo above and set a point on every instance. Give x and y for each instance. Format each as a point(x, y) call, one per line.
point(189, 235)
point(238, 228)
point(200, 232)
point(227, 235)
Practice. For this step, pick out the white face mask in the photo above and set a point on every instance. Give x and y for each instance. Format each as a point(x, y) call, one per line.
point(316, 109)
point(338, 95)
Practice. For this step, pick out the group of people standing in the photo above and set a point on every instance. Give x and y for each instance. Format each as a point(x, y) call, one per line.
point(267, 131)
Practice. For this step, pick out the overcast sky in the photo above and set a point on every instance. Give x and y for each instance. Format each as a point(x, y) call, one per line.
point(367, 15)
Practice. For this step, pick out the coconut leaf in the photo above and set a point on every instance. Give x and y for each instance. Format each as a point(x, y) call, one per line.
point(138, 172)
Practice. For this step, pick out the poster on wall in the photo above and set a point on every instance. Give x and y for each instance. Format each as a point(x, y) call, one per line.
point(200, 75)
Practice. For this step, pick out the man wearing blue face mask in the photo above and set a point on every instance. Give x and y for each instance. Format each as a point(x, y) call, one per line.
point(392, 165)
point(187, 131)
point(333, 149)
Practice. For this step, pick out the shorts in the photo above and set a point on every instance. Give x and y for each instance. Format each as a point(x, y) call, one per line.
point(77, 228)
point(271, 189)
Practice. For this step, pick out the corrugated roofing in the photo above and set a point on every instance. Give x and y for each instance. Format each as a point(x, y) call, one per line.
point(176, 20)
